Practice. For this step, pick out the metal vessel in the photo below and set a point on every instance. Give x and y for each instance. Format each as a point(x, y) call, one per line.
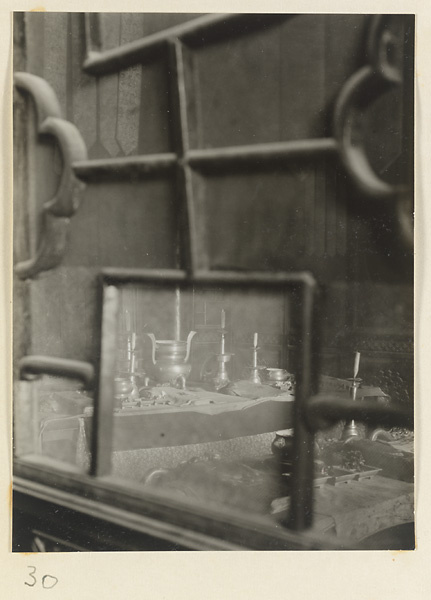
point(170, 360)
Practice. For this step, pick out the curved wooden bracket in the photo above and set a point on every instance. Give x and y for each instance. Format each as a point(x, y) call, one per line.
point(51, 248)
point(361, 89)
point(44, 97)
point(358, 93)
point(66, 200)
point(380, 41)
point(57, 210)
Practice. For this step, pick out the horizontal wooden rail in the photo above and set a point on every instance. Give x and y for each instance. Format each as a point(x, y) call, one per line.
point(323, 410)
point(160, 515)
point(197, 32)
point(256, 278)
point(125, 167)
point(259, 155)
point(231, 158)
point(120, 276)
point(116, 276)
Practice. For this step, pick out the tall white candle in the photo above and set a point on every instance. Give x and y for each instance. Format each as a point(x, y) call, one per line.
point(223, 318)
point(177, 314)
point(356, 365)
point(132, 363)
point(255, 340)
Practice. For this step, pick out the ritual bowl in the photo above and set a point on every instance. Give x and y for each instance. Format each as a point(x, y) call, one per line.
point(275, 375)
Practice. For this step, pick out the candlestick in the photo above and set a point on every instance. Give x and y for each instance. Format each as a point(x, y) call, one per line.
point(129, 348)
point(254, 376)
point(222, 378)
point(351, 429)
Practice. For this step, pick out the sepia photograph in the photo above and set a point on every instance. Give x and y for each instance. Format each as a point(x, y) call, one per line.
point(213, 282)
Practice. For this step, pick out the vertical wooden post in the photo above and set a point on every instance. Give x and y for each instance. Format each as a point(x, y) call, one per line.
point(301, 508)
point(103, 419)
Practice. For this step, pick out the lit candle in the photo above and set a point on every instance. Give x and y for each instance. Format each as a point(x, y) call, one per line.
point(223, 319)
point(356, 365)
point(255, 340)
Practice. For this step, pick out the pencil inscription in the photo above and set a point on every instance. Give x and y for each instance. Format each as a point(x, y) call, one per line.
point(48, 581)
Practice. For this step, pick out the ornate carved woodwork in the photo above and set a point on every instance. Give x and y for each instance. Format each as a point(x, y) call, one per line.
point(179, 50)
point(196, 165)
point(56, 212)
point(211, 178)
point(180, 46)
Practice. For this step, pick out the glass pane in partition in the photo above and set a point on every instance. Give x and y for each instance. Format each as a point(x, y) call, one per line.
point(49, 414)
point(199, 380)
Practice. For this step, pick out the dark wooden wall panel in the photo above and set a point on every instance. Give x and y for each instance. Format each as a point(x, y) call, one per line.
point(344, 52)
point(302, 78)
point(84, 87)
point(110, 30)
point(64, 314)
point(239, 90)
point(155, 133)
point(279, 83)
point(34, 27)
point(276, 220)
point(55, 48)
point(125, 225)
point(117, 28)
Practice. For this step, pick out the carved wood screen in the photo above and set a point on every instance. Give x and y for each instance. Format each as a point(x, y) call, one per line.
point(179, 128)
point(199, 155)
point(179, 175)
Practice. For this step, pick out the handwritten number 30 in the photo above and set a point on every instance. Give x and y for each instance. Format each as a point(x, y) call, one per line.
point(48, 581)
